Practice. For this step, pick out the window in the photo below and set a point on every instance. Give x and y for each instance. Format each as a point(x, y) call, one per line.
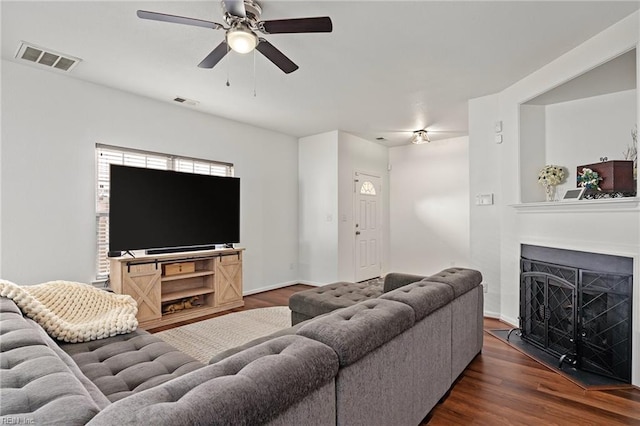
point(107, 155)
point(367, 188)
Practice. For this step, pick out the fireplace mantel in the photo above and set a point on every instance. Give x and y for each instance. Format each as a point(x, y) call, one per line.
point(600, 205)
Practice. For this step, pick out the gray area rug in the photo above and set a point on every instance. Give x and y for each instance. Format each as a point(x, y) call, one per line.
point(204, 339)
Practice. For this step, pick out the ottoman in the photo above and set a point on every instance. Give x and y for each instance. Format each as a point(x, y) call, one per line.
point(310, 303)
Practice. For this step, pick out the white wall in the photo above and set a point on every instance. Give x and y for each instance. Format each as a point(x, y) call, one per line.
point(533, 155)
point(50, 124)
point(326, 166)
point(580, 132)
point(1, 134)
point(485, 172)
point(359, 155)
point(573, 133)
point(604, 229)
point(429, 206)
point(318, 208)
point(1, 62)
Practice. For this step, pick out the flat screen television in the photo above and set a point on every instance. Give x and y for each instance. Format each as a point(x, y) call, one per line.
point(164, 211)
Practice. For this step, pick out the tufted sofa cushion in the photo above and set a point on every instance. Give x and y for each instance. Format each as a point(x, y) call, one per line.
point(128, 363)
point(394, 280)
point(249, 388)
point(424, 297)
point(37, 387)
point(461, 280)
point(357, 330)
point(320, 300)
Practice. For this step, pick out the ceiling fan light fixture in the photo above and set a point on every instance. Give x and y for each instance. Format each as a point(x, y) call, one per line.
point(243, 19)
point(241, 39)
point(420, 136)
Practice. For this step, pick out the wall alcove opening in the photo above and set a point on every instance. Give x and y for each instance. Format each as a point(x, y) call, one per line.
point(579, 122)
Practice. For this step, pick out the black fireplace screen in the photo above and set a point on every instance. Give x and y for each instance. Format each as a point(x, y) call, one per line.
point(581, 316)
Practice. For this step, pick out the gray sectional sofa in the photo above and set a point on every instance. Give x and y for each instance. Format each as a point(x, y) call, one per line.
point(384, 360)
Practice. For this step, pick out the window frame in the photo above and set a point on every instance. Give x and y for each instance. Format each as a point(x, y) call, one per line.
point(137, 157)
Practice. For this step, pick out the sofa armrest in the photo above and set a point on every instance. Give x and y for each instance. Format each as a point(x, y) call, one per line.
point(461, 280)
point(394, 280)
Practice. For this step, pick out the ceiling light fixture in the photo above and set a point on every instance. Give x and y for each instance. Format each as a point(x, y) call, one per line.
point(241, 39)
point(420, 136)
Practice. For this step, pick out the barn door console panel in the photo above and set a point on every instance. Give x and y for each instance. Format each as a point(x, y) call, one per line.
point(175, 287)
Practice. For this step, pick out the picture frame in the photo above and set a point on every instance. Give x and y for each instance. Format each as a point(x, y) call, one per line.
point(573, 194)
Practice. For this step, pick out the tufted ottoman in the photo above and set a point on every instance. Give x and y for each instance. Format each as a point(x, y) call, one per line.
point(310, 303)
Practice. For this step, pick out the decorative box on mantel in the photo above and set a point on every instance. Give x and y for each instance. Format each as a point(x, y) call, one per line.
point(617, 175)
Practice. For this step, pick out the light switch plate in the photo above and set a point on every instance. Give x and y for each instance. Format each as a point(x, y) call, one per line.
point(484, 199)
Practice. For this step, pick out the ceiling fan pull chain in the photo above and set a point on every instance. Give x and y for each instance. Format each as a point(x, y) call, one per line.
point(228, 84)
point(254, 73)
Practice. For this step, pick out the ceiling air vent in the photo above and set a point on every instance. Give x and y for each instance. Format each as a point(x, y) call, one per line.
point(46, 57)
point(186, 101)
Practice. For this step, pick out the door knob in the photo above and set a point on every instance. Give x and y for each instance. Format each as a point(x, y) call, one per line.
point(357, 232)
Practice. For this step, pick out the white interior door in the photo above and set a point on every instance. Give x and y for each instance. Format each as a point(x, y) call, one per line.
point(367, 226)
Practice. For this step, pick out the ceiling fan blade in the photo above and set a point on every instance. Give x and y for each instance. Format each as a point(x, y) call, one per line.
point(235, 8)
point(276, 56)
point(154, 16)
point(300, 25)
point(215, 56)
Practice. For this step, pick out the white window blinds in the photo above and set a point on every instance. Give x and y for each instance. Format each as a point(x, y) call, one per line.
point(107, 155)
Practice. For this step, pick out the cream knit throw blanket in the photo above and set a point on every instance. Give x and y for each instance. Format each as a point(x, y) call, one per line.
point(74, 312)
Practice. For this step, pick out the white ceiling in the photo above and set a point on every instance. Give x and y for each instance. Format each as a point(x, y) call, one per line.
point(388, 66)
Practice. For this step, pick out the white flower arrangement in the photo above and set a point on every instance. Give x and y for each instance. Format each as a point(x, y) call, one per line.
point(551, 175)
point(589, 179)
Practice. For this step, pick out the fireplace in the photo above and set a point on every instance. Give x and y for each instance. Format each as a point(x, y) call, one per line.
point(577, 307)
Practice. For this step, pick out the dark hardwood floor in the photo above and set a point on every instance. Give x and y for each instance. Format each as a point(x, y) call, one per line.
point(502, 386)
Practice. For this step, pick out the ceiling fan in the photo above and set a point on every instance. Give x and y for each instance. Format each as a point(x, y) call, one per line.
point(243, 22)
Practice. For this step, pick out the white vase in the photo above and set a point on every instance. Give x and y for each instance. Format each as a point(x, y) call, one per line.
point(550, 192)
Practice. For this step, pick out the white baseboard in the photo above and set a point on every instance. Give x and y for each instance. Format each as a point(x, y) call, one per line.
point(510, 321)
point(281, 285)
point(489, 314)
point(315, 284)
point(495, 315)
point(270, 287)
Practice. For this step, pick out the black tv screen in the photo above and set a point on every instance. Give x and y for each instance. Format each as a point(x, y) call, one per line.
point(159, 209)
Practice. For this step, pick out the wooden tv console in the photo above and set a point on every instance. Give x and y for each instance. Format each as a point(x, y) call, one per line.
point(174, 287)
